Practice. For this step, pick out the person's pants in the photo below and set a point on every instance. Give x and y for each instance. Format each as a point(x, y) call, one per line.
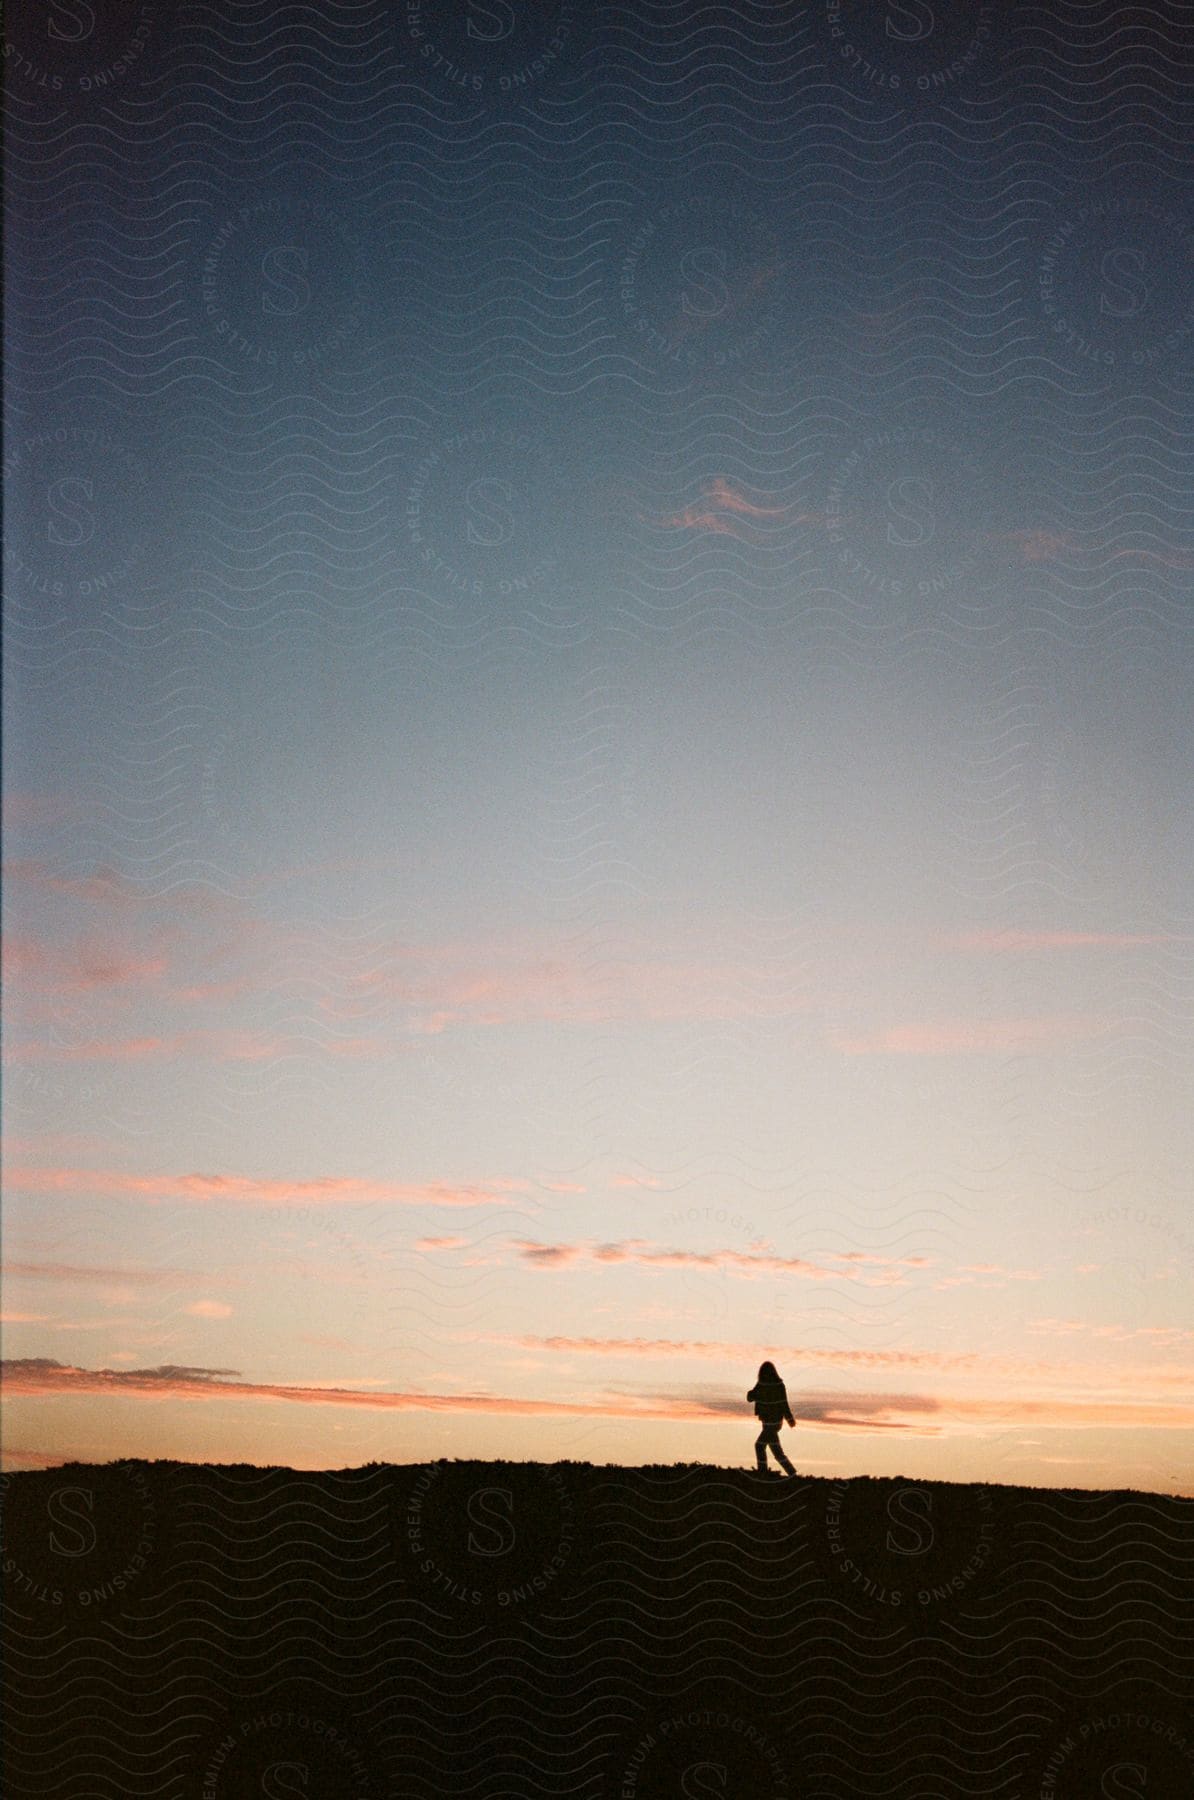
point(768, 1439)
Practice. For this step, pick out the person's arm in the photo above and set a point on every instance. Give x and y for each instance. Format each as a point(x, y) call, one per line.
point(753, 1395)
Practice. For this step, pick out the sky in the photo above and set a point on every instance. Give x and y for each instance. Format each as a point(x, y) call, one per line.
point(597, 669)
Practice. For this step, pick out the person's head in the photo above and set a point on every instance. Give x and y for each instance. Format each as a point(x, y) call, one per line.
point(768, 1372)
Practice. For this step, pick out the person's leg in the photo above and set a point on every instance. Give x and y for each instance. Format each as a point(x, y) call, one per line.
point(780, 1455)
point(769, 1437)
point(761, 1450)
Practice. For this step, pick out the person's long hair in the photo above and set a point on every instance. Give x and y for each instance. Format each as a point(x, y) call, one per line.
point(768, 1372)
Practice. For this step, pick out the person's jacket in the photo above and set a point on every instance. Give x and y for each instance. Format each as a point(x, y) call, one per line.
point(771, 1402)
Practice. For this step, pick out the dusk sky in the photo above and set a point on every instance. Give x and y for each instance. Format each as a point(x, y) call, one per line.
point(598, 737)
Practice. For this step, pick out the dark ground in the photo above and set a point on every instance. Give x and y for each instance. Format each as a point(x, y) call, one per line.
point(518, 1630)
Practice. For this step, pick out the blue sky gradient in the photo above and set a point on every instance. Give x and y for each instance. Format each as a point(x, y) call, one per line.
point(598, 662)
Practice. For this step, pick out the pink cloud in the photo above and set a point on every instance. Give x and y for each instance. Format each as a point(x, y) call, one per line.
point(224, 1046)
point(547, 1256)
point(42, 1377)
point(128, 937)
point(216, 993)
point(248, 1190)
point(1040, 545)
point(697, 518)
point(107, 888)
point(721, 506)
point(952, 1362)
point(208, 1309)
point(949, 1037)
point(18, 956)
point(35, 1459)
point(741, 1262)
point(94, 966)
point(104, 1323)
point(614, 1253)
point(900, 1262)
point(189, 949)
point(1163, 1335)
point(500, 984)
point(138, 1049)
point(954, 1365)
point(90, 1275)
point(1096, 1413)
point(24, 1318)
point(721, 493)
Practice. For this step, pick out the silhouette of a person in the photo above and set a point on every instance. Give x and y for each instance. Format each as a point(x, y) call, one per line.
point(770, 1398)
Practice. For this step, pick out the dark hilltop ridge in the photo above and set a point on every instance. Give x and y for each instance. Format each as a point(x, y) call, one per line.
point(516, 1629)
